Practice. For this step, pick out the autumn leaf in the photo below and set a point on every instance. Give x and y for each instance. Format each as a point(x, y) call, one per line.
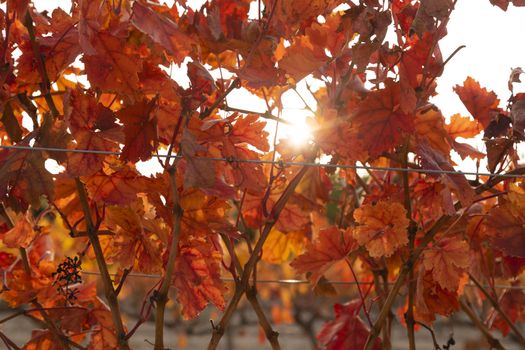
point(290, 13)
point(197, 276)
point(162, 30)
point(42, 340)
point(499, 150)
point(382, 228)
point(199, 172)
point(460, 126)
point(517, 114)
point(479, 102)
point(302, 58)
point(430, 159)
point(137, 243)
point(21, 235)
point(279, 246)
point(59, 49)
point(430, 127)
point(24, 178)
point(347, 330)
point(379, 120)
point(331, 246)
point(448, 261)
point(116, 184)
point(432, 299)
point(506, 222)
point(140, 130)
point(103, 336)
point(113, 67)
point(94, 128)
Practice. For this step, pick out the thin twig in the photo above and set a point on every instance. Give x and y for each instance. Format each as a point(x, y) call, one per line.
point(493, 342)
point(497, 307)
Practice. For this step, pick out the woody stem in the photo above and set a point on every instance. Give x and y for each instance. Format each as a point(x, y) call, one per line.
point(162, 293)
point(109, 291)
point(241, 287)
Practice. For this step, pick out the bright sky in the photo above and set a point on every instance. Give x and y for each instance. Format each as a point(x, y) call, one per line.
point(493, 48)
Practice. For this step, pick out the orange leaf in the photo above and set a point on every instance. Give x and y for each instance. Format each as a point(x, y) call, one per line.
point(331, 246)
point(138, 237)
point(302, 58)
point(462, 127)
point(104, 335)
point(21, 235)
point(279, 246)
point(447, 260)
point(42, 340)
point(477, 100)
point(94, 128)
point(382, 228)
point(116, 184)
point(199, 172)
point(432, 299)
point(379, 120)
point(430, 127)
point(512, 302)
point(197, 276)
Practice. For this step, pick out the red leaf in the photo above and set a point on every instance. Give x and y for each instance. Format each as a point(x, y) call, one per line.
point(162, 30)
point(113, 67)
point(331, 246)
point(199, 172)
point(430, 159)
point(140, 130)
point(382, 227)
point(347, 330)
point(94, 128)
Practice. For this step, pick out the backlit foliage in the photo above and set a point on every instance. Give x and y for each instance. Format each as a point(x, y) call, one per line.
point(104, 81)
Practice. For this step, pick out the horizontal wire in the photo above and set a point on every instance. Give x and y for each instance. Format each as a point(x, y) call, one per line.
point(279, 163)
point(298, 281)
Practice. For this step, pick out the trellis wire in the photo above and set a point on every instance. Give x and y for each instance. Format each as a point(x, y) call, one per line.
point(298, 281)
point(281, 163)
point(278, 163)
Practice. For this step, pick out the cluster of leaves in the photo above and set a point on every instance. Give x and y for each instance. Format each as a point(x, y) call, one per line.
point(88, 89)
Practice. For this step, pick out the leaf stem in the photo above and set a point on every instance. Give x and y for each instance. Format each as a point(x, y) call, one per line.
point(497, 307)
point(493, 342)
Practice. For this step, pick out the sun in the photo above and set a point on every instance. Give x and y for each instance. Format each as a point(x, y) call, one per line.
point(299, 133)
